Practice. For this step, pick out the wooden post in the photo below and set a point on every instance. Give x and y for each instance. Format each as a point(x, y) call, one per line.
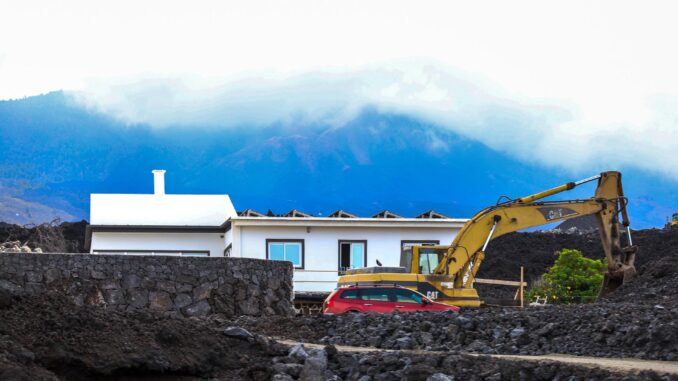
point(522, 296)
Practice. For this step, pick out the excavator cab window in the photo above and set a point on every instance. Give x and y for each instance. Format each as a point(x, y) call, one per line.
point(429, 258)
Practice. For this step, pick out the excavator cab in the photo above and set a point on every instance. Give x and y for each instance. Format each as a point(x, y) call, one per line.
point(674, 220)
point(422, 259)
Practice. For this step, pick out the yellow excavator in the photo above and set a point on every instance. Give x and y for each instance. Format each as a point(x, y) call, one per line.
point(446, 273)
point(673, 224)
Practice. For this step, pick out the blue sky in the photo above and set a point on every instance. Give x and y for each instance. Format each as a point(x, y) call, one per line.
point(568, 86)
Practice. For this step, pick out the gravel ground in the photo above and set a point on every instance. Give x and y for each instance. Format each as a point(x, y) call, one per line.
point(48, 338)
point(605, 330)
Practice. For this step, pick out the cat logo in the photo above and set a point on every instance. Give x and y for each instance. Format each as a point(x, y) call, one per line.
point(556, 213)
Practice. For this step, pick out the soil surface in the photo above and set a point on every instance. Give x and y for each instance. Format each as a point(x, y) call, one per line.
point(49, 338)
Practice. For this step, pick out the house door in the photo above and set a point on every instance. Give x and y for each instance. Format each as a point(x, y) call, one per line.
point(352, 255)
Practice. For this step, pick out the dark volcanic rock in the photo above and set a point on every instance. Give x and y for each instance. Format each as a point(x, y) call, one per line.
point(66, 237)
point(50, 338)
point(536, 252)
point(603, 329)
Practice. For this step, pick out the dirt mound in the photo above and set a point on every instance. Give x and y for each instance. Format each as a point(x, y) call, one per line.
point(656, 283)
point(50, 338)
point(536, 252)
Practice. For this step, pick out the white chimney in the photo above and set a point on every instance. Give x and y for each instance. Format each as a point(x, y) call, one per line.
point(158, 181)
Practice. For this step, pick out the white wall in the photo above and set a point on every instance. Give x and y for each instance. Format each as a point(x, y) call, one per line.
point(167, 209)
point(322, 251)
point(212, 242)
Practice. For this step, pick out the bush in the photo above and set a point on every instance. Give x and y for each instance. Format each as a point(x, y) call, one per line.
point(572, 279)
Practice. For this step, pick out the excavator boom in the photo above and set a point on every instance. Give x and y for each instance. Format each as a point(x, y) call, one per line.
point(467, 251)
point(447, 273)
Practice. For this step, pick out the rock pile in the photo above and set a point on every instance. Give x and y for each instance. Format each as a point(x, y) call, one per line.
point(53, 237)
point(604, 330)
point(17, 247)
point(655, 283)
point(536, 252)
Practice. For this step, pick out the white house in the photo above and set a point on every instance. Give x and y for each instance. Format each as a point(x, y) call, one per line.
point(159, 223)
point(208, 225)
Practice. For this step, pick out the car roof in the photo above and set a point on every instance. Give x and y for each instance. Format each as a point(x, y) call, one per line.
point(373, 286)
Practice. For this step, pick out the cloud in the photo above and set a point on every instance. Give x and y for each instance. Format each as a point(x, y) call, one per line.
point(577, 85)
point(559, 134)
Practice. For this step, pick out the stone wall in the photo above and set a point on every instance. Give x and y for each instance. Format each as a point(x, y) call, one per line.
point(180, 286)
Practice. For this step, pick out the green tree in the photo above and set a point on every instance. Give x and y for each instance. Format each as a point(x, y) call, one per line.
point(572, 279)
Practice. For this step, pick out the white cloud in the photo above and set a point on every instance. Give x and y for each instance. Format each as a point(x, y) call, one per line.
point(574, 84)
point(563, 135)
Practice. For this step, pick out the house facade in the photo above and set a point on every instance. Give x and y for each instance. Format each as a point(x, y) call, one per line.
point(320, 248)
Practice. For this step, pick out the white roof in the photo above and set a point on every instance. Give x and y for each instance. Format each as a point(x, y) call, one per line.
point(160, 209)
point(353, 222)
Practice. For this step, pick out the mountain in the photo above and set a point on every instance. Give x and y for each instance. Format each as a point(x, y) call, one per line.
point(56, 152)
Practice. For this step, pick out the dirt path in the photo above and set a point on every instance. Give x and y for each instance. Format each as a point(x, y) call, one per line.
point(618, 364)
point(624, 365)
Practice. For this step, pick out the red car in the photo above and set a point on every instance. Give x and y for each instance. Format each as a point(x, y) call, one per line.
point(380, 299)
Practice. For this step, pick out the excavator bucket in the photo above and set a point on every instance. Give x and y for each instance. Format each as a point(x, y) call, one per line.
point(614, 279)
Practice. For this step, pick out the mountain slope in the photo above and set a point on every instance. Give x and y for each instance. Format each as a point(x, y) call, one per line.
point(57, 153)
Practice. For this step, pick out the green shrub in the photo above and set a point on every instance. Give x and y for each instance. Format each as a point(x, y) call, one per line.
point(572, 279)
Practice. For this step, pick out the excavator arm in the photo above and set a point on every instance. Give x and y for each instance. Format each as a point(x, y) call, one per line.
point(467, 251)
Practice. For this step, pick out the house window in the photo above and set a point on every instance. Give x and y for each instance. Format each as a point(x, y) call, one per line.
point(194, 254)
point(286, 250)
point(352, 254)
point(171, 253)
